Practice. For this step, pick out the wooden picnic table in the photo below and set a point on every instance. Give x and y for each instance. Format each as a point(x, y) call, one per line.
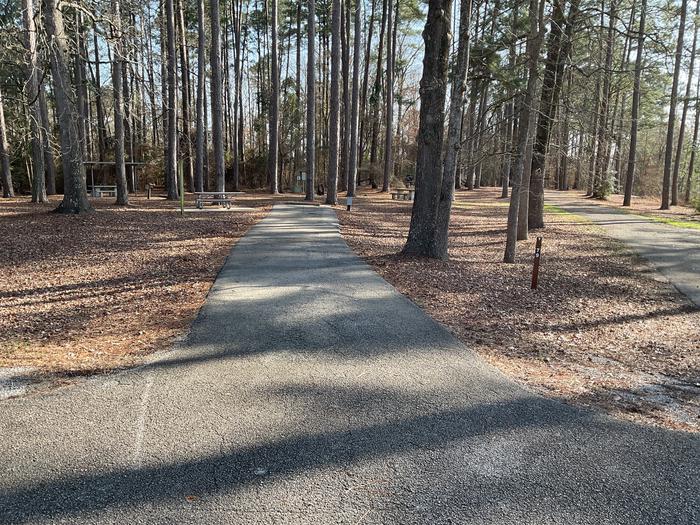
point(225, 198)
point(403, 194)
point(102, 190)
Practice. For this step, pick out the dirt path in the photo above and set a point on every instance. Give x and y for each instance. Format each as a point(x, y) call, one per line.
point(673, 251)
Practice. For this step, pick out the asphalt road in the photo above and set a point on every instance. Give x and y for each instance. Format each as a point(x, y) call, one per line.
point(673, 251)
point(311, 392)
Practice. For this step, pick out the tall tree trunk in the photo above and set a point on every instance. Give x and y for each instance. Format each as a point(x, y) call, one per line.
point(480, 130)
point(5, 173)
point(273, 151)
point(201, 78)
point(217, 101)
point(684, 113)
point(563, 167)
point(79, 75)
point(525, 121)
point(311, 103)
point(694, 149)
point(117, 71)
point(74, 190)
point(238, 154)
point(668, 156)
point(32, 96)
point(171, 73)
point(522, 232)
point(431, 129)
point(558, 49)
point(334, 121)
point(185, 87)
point(355, 114)
point(101, 126)
point(507, 145)
point(390, 65)
point(297, 84)
point(454, 133)
point(345, 127)
point(151, 78)
point(601, 178)
point(365, 83)
point(49, 162)
point(376, 95)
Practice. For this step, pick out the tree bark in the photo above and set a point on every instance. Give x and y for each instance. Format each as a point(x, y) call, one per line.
point(347, 108)
point(600, 179)
point(117, 64)
point(365, 83)
point(273, 146)
point(693, 151)
point(201, 77)
point(636, 95)
point(171, 109)
point(217, 101)
point(684, 113)
point(5, 172)
point(668, 156)
point(74, 189)
point(49, 163)
point(32, 96)
point(101, 126)
point(186, 106)
point(524, 122)
point(355, 114)
point(390, 65)
point(311, 102)
point(558, 49)
point(376, 95)
point(334, 120)
point(431, 129)
point(454, 134)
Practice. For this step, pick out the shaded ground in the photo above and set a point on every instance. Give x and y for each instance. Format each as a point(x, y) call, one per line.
point(88, 293)
point(309, 391)
point(602, 330)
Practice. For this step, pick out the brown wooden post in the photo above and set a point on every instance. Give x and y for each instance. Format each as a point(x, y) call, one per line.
point(536, 263)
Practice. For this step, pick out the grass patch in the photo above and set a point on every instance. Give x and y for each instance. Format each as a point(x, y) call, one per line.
point(690, 225)
point(471, 204)
point(551, 208)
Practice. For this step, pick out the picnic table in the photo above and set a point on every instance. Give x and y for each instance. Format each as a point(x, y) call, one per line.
point(103, 191)
point(403, 195)
point(225, 198)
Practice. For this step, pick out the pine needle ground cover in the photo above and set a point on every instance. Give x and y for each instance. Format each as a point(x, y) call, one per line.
point(89, 293)
point(602, 329)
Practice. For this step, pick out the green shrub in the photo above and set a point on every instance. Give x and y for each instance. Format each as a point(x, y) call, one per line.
point(605, 187)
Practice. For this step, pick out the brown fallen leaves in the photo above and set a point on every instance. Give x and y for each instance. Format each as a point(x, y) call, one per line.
point(601, 330)
point(83, 294)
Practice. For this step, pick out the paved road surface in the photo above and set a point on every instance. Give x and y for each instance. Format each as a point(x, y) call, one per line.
point(311, 392)
point(674, 251)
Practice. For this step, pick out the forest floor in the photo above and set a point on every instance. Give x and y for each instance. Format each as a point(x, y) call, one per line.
point(603, 329)
point(89, 293)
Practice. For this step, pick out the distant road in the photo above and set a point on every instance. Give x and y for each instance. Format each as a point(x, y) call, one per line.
point(673, 251)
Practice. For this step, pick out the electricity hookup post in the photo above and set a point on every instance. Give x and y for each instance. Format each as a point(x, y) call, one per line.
point(348, 200)
point(536, 263)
